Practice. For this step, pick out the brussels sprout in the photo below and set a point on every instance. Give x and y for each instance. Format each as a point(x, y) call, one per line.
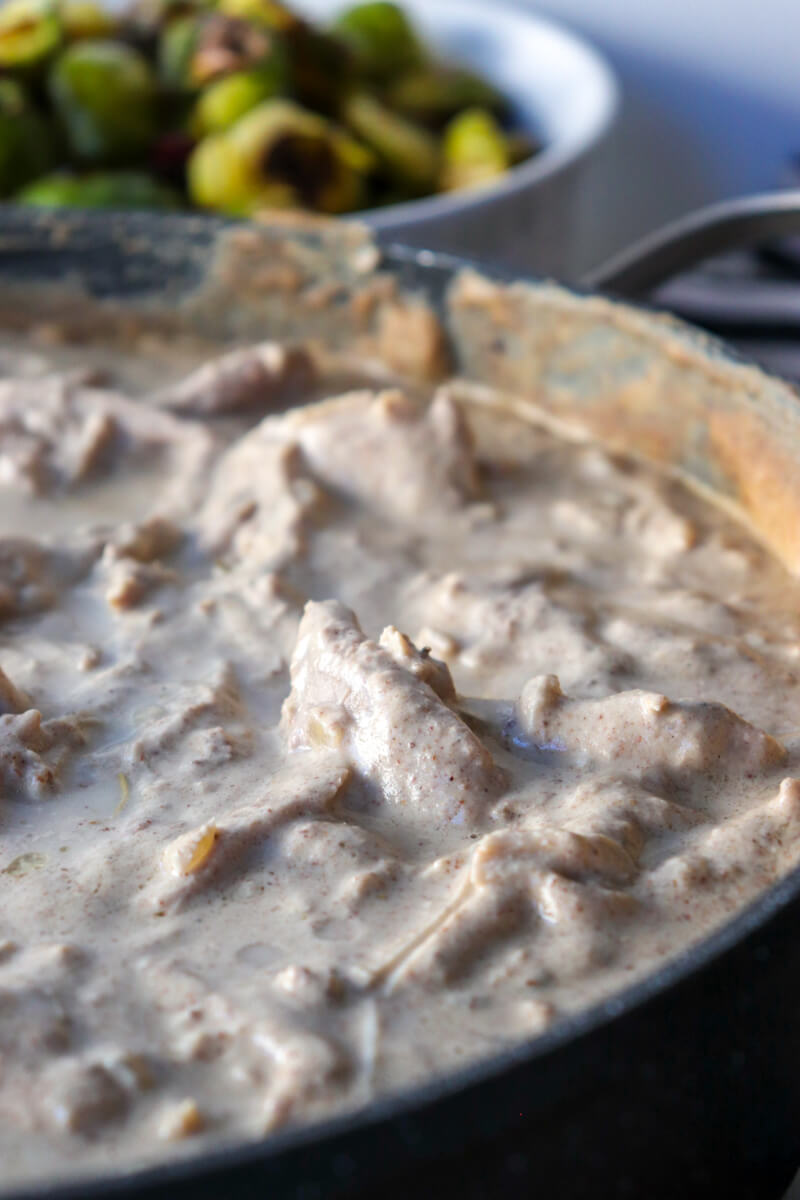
point(175, 49)
point(433, 95)
point(271, 13)
point(224, 102)
point(409, 154)
point(145, 21)
point(157, 14)
point(105, 95)
point(382, 39)
point(26, 142)
point(279, 156)
point(99, 189)
point(196, 50)
point(219, 179)
point(30, 33)
point(85, 19)
point(475, 150)
point(321, 69)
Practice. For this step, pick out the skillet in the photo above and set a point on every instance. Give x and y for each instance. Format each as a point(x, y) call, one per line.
point(685, 1084)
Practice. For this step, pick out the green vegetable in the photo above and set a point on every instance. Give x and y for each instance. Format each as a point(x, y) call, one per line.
point(269, 13)
point(224, 102)
point(196, 50)
point(321, 68)
point(434, 95)
point(30, 33)
point(26, 141)
point(408, 153)
point(100, 189)
point(105, 95)
point(157, 14)
point(85, 19)
point(475, 150)
point(382, 39)
point(319, 63)
point(175, 48)
point(237, 106)
point(279, 156)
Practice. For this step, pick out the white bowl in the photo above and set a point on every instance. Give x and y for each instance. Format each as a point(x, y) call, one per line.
point(561, 89)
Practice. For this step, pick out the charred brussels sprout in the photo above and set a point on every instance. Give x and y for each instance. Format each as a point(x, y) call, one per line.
point(194, 51)
point(279, 156)
point(381, 38)
point(434, 95)
point(26, 141)
point(105, 96)
point(218, 178)
point(82, 19)
point(237, 106)
point(270, 13)
point(222, 103)
point(99, 189)
point(30, 33)
point(321, 68)
point(409, 154)
point(320, 64)
point(475, 150)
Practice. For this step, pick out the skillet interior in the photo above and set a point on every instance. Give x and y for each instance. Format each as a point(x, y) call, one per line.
point(645, 384)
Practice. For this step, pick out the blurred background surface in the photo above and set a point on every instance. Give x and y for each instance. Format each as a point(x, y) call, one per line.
point(711, 106)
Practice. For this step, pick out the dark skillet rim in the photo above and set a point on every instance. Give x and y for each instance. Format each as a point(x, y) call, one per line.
point(568, 1031)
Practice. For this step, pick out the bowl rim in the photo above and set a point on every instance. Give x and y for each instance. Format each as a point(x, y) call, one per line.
point(571, 1029)
point(554, 157)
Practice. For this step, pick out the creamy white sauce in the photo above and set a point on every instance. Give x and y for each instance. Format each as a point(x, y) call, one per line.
point(354, 759)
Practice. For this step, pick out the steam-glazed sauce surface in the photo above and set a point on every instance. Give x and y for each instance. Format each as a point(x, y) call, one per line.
point(345, 745)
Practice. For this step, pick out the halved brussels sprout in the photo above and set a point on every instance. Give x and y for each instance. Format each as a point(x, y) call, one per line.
point(434, 95)
point(475, 150)
point(105, 95)
point(408, 153)
point(279, 156)
point(85, 19)
point(26, 141)
point(382, 39)
point(320, 65)
point(99, 189)
point(222, 103)
point(271, 13)
point(194, 51)
point(30, 33)
point(321, 68)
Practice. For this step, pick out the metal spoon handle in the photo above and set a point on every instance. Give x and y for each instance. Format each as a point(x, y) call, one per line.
point(684, 243)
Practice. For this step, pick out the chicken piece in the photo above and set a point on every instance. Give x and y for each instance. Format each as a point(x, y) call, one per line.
point(561, 884)
point(349, 692)
point(506, 625)
point(56, 432)
point(34, 752)
point(756, 847)
point(33, 574)
point(643, 732)
point(146, 542)
point(391, 452)
point(12, 699)
point(626, 812)
point(189, 715)
point(199, 856)
point(418, 663)
point(260, 501)
point(249, 378)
